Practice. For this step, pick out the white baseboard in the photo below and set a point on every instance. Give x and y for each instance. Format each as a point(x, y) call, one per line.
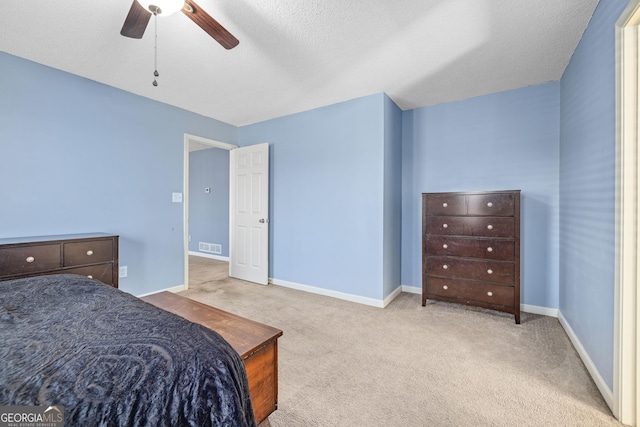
point(397, 291)
point(329, 293)
point(211, 256)
point(177, 289)
point(174, 289)
point(527, 308)
point(536, 309)
point(604, 389)
point(412, 289)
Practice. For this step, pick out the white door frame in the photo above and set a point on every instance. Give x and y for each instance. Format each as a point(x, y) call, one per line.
point(626, 360)
point(188, 139)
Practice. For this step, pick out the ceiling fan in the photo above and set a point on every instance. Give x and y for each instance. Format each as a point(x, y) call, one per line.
point(141, 10)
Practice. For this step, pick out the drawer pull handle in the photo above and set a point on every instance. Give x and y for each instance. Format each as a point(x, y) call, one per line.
point(89, 252)
point(445, 287)
point(90, 276)
point(445, 246)
point(30, 259)
point(445, 266)
point(489, 249)
point(445, 226)
point(489, 271)
point(490, 204)
point(490, 293)
point(445, 204)
point(489, 227)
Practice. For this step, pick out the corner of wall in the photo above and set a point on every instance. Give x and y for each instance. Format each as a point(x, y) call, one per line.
point(604, 389)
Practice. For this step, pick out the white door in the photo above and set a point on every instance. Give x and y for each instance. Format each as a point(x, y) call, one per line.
point(249, 213)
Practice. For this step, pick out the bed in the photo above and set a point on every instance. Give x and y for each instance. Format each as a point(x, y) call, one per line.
point(108, 358)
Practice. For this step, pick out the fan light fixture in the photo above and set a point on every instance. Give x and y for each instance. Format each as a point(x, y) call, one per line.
point(162, 7)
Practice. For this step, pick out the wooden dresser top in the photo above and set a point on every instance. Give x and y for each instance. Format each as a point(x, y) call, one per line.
point(53, 238)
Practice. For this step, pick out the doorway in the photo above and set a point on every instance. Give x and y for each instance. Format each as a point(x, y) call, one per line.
point(626, 364)
point(194, 143)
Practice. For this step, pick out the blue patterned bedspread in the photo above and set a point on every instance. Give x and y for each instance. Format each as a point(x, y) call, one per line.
point(110, 359)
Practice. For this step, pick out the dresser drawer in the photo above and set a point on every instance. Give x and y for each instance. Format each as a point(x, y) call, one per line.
point(501, 249)
point(491, 204)
point(471, 226)
point(446, 204)
point(464, 268)
point(467, 291)
point(101, 272)
point(29, 259)
point(87, 252)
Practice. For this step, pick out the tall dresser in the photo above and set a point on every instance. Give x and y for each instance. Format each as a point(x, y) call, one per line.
point(471, 249)
point(93, 255)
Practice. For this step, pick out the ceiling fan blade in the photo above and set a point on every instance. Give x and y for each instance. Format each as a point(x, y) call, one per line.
point(210, 25)
point(136, 21)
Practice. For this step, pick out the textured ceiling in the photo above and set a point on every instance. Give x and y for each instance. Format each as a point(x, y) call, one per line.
point(296, 55)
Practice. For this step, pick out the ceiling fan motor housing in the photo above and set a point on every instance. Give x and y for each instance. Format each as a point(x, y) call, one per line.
point(162, 7)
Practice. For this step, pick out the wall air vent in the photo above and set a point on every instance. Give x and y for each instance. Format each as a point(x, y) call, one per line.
point(213, 248)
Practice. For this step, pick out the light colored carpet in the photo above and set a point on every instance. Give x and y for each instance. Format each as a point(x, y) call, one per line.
point(347, 364)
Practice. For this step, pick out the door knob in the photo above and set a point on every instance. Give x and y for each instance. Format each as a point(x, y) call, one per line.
point(261, 220)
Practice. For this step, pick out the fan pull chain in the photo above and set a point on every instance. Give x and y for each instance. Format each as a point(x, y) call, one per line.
point(155, 49)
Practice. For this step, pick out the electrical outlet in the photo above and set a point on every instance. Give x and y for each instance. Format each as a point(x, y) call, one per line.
point(122, 271)
point(189, 237)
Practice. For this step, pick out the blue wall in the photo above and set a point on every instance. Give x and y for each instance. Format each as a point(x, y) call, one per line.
point(587, 188)
point(392, 236)
point(327, 195)
point(503, 141)
point(209, 212)
point(78, 156)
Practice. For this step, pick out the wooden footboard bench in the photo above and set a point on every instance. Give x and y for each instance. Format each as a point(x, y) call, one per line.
point(256, 343)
